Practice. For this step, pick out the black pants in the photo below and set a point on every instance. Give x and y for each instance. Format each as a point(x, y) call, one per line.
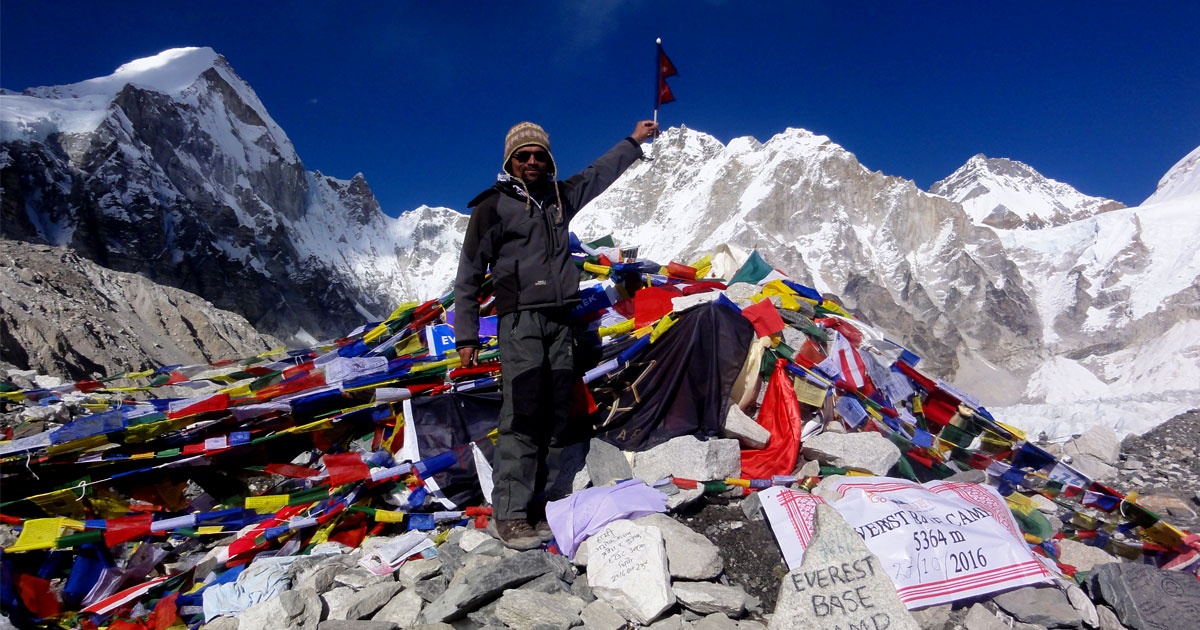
point(538, 366)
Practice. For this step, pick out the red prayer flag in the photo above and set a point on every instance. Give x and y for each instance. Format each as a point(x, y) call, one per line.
point(652, 303)
point(345, 468)
point(126, 528)
point(765, 318)
point(779, 414)
point(664, 69)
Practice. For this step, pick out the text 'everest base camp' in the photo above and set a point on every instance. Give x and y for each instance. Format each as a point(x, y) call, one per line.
point(818, 397)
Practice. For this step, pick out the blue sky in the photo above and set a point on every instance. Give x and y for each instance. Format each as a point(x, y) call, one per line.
point(417, 96)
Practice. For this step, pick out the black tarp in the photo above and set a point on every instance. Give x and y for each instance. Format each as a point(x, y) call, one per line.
point(450, 422)
point(680, 385)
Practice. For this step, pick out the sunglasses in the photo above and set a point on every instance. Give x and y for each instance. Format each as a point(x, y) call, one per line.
point(523, 156)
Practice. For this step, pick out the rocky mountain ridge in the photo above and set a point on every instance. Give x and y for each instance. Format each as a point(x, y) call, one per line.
point(62, 314)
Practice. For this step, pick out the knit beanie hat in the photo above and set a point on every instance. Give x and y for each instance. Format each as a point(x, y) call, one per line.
point(525, 134)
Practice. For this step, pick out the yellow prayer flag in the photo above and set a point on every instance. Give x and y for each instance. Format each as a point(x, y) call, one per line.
point(388, 516)
point(63, 502)
point(40, 533)
point(210, 529)
point(1020, 503)
point(663, 325)
point(412, 345)
point(1020, 435)
point(267, 503)
point(704, 261)
point(599, 270)
point(809, 393)
point(618, 329)
point(834, 307)
point(1161, 533)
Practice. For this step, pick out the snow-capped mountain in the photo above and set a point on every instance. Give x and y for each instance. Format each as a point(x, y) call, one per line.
point(1015, 287)
point(1083, 322)
point(908, 261)
point(171, 167)
point(1008, 194)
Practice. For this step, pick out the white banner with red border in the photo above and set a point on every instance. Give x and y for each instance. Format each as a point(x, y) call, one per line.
point(939, 542)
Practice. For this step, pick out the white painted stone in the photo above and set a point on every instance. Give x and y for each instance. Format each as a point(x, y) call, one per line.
point(866, 596)
point(627, 568)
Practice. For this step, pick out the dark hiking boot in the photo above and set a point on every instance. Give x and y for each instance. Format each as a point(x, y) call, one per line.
point(515, 534)
point(543, 530)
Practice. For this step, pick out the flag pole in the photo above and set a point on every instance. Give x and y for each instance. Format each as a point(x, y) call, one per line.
point(658, 44)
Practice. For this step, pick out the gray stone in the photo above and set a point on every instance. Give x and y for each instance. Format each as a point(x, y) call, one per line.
point(606, 463)
point(627, 568)
point(971, 475)
point(1082, 557)
point(811, 468)
point(690, 458)
point(359, 578)
point(371, 599)
point(548, 583)
point(432, 587)
point(414, 571)
point(471, 539)
point(487, 583)
point(707, 598)
point(683, 497)
point(715, 621)
point(319, 578)
point(744, 429)
point(337, 601)
point(1099, 441)
point(752, 507)
point(865, 597)
point(402, 610)
point(980, 618)
point(1108, 619)
point(932, 618)
point(522, 609)
point(341, 624)
point(598, 615)
point(1081, 602)
point(1041, 605)
point(673, 622)
point(582, 589)
point(298, 609)
point(750, 624)
point(867, 451)
point(220, 623)
point(690, 556)
point(1147, 597)
point(473, 565)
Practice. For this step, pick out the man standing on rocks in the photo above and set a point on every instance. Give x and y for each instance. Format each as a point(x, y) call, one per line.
point(519, 232)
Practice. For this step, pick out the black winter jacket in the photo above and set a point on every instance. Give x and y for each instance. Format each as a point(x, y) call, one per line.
point(524, 239)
